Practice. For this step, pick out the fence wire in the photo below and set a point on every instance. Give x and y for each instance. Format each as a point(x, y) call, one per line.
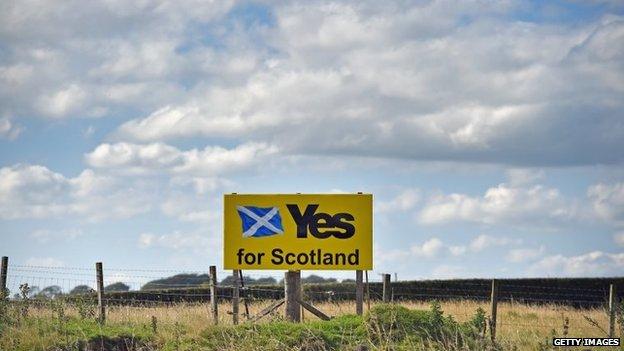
point(147, 292)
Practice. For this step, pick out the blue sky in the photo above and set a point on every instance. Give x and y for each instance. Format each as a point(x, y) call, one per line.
point(490, 133)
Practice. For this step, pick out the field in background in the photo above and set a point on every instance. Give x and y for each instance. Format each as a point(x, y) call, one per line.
point(522, 327)
point(54, 309)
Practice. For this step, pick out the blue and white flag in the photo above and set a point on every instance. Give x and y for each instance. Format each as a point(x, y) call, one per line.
point(260, 221)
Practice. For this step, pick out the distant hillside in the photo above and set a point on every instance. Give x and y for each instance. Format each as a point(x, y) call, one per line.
point(200, 280)
point(178, 281)
point(580, 292)
point(203, 280)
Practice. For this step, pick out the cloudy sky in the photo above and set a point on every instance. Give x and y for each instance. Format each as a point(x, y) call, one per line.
point(491, 133)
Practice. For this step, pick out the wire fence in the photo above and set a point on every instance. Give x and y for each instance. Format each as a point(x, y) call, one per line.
point(129, 289)
point(138, 284)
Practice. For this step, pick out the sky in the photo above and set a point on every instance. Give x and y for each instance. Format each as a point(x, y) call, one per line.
point(490, 133)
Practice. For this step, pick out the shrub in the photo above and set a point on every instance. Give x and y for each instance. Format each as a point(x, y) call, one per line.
point(335, 334)
point(391, 323)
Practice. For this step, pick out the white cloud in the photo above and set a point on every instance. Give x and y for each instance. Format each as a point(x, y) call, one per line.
point(535, 205)
point(45, 262)
point(506, 86)
point(45, 235)
point(510, 91)
point(482, 242)
point(8, 130)
point(33, 191)
point(608, 201)
point(428, 249)
point(595, 263)
point(203, 185)
point(88, 132)
point(62, 102)
point(525, 254)
point(16, 74)
point(446, 271)
point(146, 240)
point(134, 157)
point(433, 247)
point(138, 158)
point(404, 201)
point(524, 176)
point(131, 45)
point(457, 250)
point(383, 256)
point(181, 241)
point(618, 238)
point(188, 208)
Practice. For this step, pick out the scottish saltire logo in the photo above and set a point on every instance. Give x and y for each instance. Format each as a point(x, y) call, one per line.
point(260, 221)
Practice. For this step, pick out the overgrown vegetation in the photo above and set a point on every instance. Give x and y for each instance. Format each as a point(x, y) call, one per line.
point(384, 327)
point(392, 325)
point(58, 326)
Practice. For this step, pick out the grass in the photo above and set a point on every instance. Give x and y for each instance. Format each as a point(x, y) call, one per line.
point(55, 326)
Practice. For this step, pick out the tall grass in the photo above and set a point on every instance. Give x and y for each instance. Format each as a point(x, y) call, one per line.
point(53, 325)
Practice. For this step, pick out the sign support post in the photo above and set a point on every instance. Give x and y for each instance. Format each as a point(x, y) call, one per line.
point(235, 297)
point(292, 290)
point(359, 293)
point(242, 286)
point(295, 232)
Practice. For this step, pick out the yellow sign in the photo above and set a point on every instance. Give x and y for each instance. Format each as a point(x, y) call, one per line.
point(298, 231)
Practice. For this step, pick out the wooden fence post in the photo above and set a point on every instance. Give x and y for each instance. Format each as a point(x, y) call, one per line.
point(99, 275)
point(493, 307)
point(387, 288)
point(292, 291)
point(612, 307)
point(235, 297)
point(213, 295)
point(359, 293)
point(4, 271)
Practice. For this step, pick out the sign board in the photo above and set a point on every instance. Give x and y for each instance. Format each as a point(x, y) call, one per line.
point(298, 231)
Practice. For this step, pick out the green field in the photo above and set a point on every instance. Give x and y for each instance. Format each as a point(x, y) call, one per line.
point(457, 325)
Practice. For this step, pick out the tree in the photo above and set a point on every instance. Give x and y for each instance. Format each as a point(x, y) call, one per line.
point(229, 280)
point(177, 281)
point(315, 279)
point(81, 289)
point(265, 281)
point(50, 292)
point(29, 291)
point(119, 286)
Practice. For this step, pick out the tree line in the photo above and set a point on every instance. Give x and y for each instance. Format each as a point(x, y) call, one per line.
point(176, 281)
